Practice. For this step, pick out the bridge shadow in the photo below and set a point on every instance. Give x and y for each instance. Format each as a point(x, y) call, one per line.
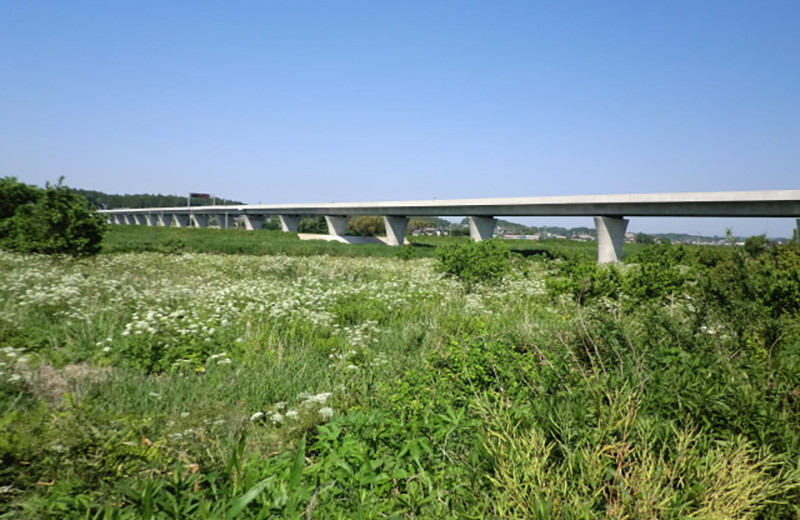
point(535, 253)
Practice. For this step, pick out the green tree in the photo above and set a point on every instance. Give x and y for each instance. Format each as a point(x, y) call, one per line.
point(59, 221)
point(14, 194)
point(644, 238)
point(474, 262)
point(756, 245)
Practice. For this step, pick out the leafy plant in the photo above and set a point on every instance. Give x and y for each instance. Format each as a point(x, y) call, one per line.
point(57, 222)
point(475, 262)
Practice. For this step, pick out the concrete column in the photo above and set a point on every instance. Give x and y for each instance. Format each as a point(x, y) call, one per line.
point(138, 219)
point(289, 223)
point(198, 220)
point(252, 222)
point(481, 228)
point(127, 219)
point(610, 236)
point(336, 225)
point(395, 230)
point(165, 220)
point(181, 220)
point(224, 220)
point(150, 219)
point(117, 219)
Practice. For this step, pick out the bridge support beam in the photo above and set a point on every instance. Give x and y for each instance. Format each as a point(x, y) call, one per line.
point(481, 228)
point(181, 220)
point(395, 230)
point(116, 219)
point(224, 221)
point(337, 225)
point(610, 236)
point(252, 223)
point(150, 219)
point(138, 219)
point(289, 223)
point(199, 221)
point(165, 219)
point(127, 219)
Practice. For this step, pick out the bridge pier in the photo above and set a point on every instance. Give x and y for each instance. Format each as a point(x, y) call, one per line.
point(149, 219)
point(223, 220)
point(138, 219)
point(337, 225)
point(181, 220)
point(395, 229)
point(251, 223)
point(199, 221)
point(481, 228)
point(165, 220)
point(289, 223)
point(610, 236)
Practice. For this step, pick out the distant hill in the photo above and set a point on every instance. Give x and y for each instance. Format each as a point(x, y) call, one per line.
point(144, 200)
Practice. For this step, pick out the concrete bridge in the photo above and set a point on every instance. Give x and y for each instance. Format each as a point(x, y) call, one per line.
point(609, 212)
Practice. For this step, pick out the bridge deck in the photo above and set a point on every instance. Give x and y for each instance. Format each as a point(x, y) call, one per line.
point(775, 203)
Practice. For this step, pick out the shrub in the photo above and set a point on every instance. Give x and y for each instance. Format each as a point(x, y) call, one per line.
point(59, 221)
point(475, 262)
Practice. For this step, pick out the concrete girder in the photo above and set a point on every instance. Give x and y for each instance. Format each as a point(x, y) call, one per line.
point(610, 236)
point(181, 220)
point(395, 229)
point(198, 220)
point(251, 223)
point(481, 228)
point(337, 225)
point(289, 223)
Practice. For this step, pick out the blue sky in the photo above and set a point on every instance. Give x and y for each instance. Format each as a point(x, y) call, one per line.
point(302, 101)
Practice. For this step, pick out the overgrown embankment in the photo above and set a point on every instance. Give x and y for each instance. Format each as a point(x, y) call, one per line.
point(193, 385)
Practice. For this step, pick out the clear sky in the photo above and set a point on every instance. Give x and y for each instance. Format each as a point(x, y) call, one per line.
point(276, 101)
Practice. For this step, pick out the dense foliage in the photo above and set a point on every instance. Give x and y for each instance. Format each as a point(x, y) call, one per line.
point(151, 385)
point(474, 262)
point(54, 220)
point(145, 200)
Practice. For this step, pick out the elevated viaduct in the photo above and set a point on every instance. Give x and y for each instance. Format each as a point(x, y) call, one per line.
point(609, 212)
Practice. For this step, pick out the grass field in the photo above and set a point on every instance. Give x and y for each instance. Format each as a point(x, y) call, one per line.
point(320, 380)
point(129, 239)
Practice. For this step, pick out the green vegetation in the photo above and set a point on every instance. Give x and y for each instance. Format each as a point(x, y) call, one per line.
point(167, 381)
point(53, 220)
point(144, 200)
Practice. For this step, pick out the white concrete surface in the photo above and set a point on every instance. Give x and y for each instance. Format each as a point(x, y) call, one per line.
point(181, 220)
point(610, 237)
point(251, 223)
point(337, 225)
point(289, 223)
point(197, 220)
point(164, 219)
point(395, 229)
point(481, 228)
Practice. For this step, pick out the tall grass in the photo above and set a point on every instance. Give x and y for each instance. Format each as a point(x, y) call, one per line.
point(180, 384)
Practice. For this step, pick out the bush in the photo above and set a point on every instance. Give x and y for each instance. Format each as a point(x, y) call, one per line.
point(58, 221)
point(474, 262)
